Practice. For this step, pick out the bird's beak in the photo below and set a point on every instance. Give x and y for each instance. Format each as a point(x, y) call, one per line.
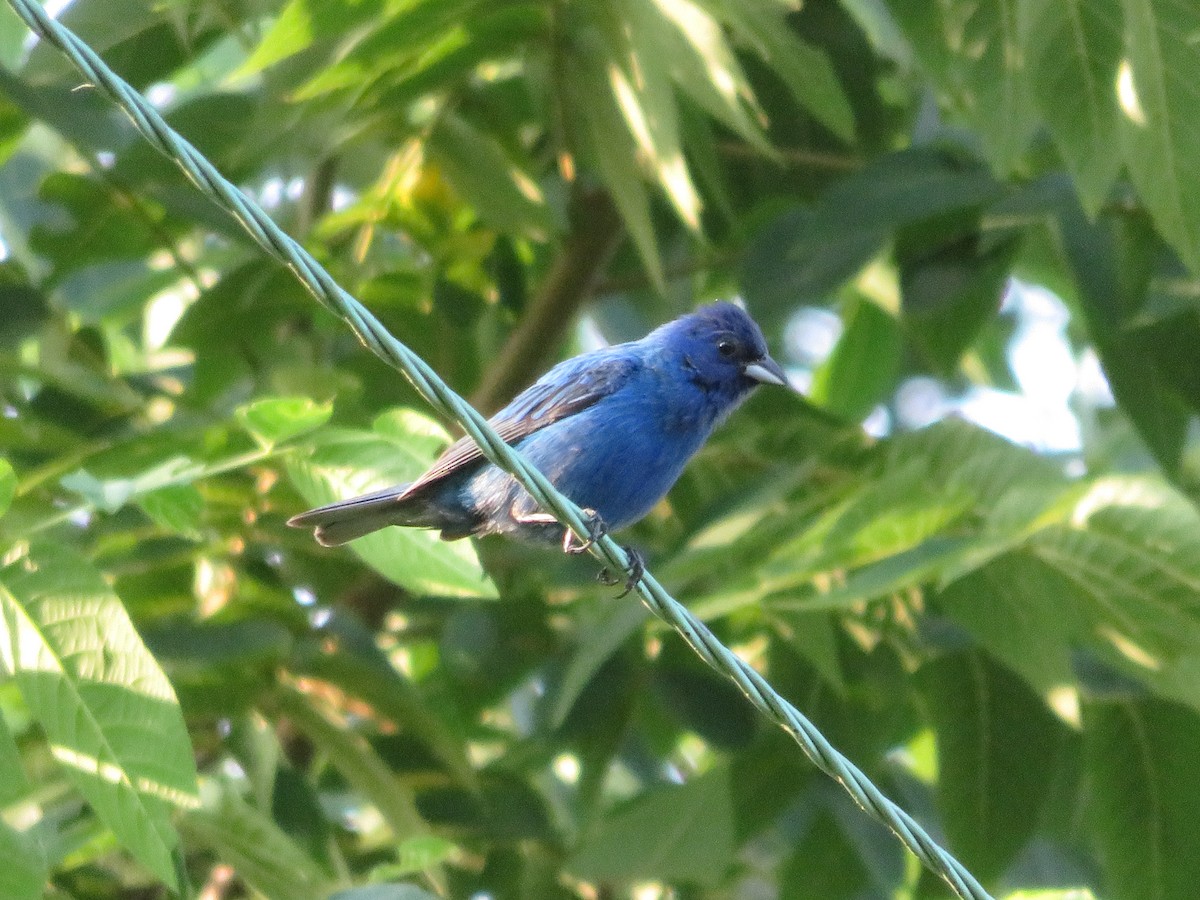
point(767, 371)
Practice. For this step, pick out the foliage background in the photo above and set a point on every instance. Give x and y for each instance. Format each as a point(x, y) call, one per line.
point(196, 699)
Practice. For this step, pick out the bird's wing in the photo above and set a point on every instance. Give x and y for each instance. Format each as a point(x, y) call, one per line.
point(570, 387)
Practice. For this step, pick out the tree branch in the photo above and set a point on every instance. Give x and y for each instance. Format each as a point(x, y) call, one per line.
point(595, 233)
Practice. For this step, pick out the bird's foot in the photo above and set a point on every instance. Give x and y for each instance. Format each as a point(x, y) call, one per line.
point(596, 529)
point(637, 568)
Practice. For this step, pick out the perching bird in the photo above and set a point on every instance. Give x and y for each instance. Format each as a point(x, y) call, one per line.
point(612, 429)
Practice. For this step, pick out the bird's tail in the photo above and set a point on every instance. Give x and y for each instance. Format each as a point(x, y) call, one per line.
point(346, 520)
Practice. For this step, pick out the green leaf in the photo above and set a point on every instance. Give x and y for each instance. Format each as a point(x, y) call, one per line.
point(345, 654)
point(1145, 796)
point(13, 783)
point(996, 748)
point(12, 35)
point(641, 86)
point(694, 52)
point(97, 229)
point(973, 51)
point(1086, 578)
point(219, 667)
point(632, 843)
point(909, 568)
point(1149, 597)
point(273, 420)
point(863, 368)
point(1156, 89)
point(598, 641)
point(345, 463)
point(803, 256)
point(1112, 260)
point(807, 253)
point(814, 635)
point(1072, 49)
point(110, 494)
point(704, 702)
point(108, 711)
point(358, 763)
point(419, 854)
point(24, 308)
point(8, 485)
point(825, 864)
point(177, 508)
point(214, 123)
point(1024, 613)
point(103, 26)
point(484, 175)
point(949, 291)
point(603, 141)
point(301, 23)
point(24, 873)
point(762, 26)
point(248, 840)
point(401, 39)
point(82, 117)
point(930, 506)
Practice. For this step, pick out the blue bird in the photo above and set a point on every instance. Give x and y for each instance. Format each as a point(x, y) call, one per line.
point(611, 429)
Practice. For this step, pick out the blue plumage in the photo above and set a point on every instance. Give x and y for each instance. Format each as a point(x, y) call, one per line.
point(611, 429)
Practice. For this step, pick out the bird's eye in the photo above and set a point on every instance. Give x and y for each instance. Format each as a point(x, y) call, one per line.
point(727, 349)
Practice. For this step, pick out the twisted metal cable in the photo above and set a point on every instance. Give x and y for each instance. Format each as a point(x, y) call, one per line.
point(372, 333)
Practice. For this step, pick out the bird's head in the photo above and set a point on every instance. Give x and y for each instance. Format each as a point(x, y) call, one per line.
point(722, 348)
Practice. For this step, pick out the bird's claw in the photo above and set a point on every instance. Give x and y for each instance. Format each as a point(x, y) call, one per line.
point(596, 529)
point(637, 568)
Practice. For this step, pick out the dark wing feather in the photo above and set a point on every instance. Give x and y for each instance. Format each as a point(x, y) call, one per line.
point(570, 387)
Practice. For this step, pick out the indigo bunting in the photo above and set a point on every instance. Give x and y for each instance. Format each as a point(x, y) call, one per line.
point(611, 429)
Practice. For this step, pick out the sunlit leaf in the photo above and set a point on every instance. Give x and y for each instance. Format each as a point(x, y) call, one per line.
point(408, 30)
point(701, 63)
point(107, 709)
point(642, 88)
point(604, 141)
point(1151, 598)
point(303, 22)
point(806, 70)
point(1072, 49)
point(1156, 91)
point(973, 51)
point(8, 484)
point(482, 173)
point(272, 420)
point(177, 508)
